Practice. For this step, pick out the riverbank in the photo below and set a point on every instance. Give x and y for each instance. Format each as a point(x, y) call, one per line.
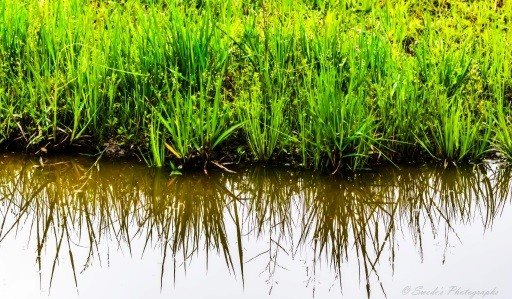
point(317, 84)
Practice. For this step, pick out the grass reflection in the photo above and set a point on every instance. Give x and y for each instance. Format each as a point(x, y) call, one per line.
point(65, 206)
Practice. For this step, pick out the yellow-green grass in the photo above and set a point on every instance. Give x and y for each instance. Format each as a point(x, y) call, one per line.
point(322, 84)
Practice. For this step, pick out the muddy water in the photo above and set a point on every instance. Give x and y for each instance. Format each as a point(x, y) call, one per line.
point(72, 228)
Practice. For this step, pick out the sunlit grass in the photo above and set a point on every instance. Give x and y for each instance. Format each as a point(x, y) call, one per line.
point(323, 84)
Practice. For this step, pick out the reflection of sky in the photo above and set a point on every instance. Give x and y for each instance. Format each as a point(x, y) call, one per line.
point(480, 262)
point(476, 261)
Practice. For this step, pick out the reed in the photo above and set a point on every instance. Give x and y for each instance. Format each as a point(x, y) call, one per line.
point(322, 84)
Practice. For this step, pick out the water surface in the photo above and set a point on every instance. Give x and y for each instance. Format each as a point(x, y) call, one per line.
point(71, 227)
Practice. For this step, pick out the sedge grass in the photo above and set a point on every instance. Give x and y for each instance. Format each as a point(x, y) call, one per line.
point(324, 84)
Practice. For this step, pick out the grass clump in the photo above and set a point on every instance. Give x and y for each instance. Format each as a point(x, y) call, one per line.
point(324, 84)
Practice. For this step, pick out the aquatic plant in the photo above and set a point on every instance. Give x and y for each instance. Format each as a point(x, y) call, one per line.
point(322, 84)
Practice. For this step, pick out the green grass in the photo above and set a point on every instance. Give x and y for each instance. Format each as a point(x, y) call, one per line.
point(322, 84)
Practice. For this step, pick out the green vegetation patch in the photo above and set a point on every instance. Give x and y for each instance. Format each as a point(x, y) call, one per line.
point(322, 84)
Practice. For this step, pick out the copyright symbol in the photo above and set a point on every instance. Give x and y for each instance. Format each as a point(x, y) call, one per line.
point(406, 290)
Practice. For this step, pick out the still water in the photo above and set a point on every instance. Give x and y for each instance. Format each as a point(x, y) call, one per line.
point(73, 228)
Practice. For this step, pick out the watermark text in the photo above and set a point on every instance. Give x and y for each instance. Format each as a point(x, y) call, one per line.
point(444, 291)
